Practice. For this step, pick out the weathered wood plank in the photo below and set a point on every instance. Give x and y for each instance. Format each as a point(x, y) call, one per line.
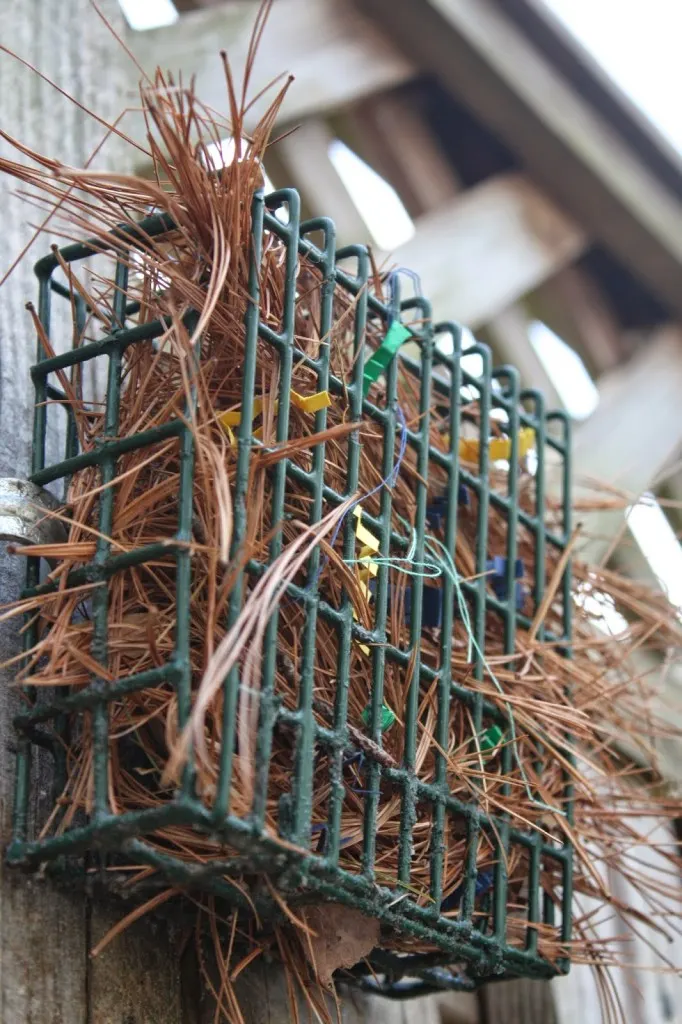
point(487, 63)
point(391, 133)
point(336, 54)
point(42, 953)
point(263, 997)
point(194, 5)
point(305, 154)
point(574, 306)
point(634, 431)
point(136, 979)
point(518, 1002)
point(627, 441)
point(45, 931)
point(457, 1008)
point(487, 248)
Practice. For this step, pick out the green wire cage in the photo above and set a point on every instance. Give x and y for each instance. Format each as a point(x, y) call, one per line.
point(472, 948)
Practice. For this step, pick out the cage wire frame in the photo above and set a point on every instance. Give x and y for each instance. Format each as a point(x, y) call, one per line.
point(481, 947)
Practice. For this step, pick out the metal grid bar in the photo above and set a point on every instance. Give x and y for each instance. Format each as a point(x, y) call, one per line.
point(453, 334)
point(244, 441)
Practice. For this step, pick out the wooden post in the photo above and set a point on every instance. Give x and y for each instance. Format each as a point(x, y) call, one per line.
point(46, 931)
point(632, 434)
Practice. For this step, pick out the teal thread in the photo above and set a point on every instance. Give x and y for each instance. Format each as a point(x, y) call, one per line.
point(451, 569)
point(445, 566)
point(427, 570)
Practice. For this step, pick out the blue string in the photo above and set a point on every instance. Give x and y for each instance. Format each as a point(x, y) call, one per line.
point(356, 760)
point(323, 831)
point(413, 276)
point(392, 280)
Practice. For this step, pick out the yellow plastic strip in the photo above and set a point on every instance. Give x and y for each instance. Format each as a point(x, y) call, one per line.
point(311, 403)
point(306, 403)
point(499, 447)
point(367, 539)
point(369, 568)
point(370, 546)
point(233, 417)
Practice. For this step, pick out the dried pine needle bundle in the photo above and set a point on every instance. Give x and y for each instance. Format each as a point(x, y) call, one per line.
point(241, 546)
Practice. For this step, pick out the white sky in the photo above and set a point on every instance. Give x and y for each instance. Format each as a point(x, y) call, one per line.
point(145, 14)
point(637, 42)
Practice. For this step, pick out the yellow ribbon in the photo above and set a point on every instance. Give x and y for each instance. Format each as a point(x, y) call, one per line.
point(370, 546)
point(306, 403)
point(311, 403)
point(498, 447)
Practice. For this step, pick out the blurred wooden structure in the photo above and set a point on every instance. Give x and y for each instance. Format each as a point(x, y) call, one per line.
point(537, 192)
point(535, 186)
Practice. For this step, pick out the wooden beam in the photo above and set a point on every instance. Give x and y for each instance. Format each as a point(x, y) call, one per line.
point(508, 333)
point(583, 71)
point(574, 306)
point(521, 1001)
point(488, 64)
point(632, 436)
point(305, 155)
point(633, 433)
point(488, 247)
point(336, 55)
point(391, 134)
point(652, 666)
point(194, 5)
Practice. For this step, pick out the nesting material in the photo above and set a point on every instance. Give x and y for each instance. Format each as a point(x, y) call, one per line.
point(568, 712)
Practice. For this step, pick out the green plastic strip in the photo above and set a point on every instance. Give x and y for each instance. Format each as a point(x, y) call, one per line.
point(378, 363)
point(387, 717)
point(491, 739)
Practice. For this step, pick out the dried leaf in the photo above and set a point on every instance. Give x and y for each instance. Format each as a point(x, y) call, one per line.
point(343, 936)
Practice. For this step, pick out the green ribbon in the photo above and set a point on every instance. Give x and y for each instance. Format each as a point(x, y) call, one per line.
point(378, 363)
point(490, 741)
point(387, 717)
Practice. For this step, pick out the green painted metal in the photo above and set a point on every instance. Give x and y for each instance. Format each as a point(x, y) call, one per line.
point(448, 378)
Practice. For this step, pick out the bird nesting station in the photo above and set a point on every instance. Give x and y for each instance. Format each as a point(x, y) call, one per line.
point(280, 693)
